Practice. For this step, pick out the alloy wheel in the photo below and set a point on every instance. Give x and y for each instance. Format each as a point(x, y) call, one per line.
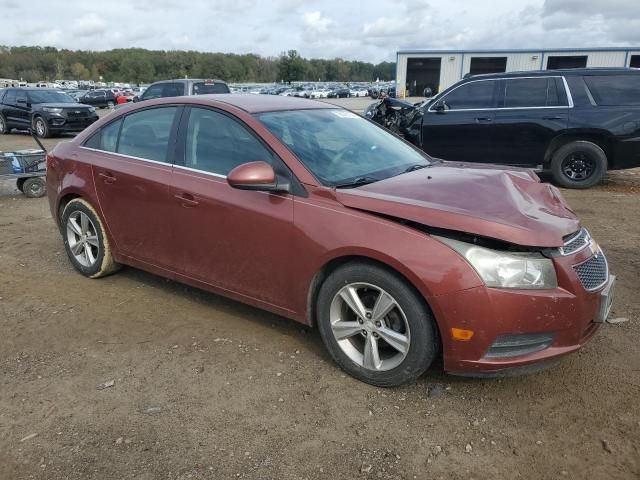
point(578, 166)
point(370, 326)
point(82, 238)
point(40, 129)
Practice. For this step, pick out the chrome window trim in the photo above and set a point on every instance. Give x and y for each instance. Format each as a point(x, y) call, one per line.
point(493, 109)
point(168, 164)
point(217, 175)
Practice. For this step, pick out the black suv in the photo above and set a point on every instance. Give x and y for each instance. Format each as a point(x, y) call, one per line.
point(99, 98)
point(575, 124)
point(181, 88)
point(46, 111)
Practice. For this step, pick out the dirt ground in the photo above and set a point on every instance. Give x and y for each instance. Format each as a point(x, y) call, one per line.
point(208, 388)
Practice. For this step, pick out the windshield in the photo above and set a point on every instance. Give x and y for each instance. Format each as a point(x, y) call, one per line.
point(49, 96)
point(340, 147)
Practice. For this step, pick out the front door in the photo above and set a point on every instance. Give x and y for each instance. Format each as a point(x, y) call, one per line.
point(459, 126)
point(132, 171)
point(232, 239)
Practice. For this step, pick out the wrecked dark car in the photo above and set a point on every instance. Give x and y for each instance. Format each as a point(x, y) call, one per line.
point(564, 122)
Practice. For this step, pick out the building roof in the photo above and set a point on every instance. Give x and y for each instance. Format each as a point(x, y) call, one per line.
point(523, 50)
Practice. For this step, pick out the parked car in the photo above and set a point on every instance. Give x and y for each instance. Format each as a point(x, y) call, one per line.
point(340, 93)
point(182, 87)
point(99, 98)
point(314, 213)
point(574, 124)
point(47, 111)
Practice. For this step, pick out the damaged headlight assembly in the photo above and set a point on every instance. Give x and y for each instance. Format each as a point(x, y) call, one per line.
point(500, 269)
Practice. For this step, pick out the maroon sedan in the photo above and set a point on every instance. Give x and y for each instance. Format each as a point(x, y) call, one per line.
point(314, 213)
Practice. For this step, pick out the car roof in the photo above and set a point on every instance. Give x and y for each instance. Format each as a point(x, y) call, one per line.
point(188, 80)
point(263, 103)
point(563, 72)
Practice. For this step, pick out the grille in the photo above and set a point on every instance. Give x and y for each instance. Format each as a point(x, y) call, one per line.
point(576, 241)
point(594, 272)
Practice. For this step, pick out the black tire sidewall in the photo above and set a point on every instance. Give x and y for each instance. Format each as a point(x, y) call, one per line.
point(591, 149)
point(424, 336)
point(73, 206)
point(45, 133)
point(6, 126)
point(26, 187)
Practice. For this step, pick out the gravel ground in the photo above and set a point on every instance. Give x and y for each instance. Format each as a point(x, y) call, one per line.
point(204, 387)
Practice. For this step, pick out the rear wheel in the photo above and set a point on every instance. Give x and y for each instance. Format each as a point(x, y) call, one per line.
point(578, 164)
point(34, 187)
point(85, 240)
point(375, 326)
point(110, 104)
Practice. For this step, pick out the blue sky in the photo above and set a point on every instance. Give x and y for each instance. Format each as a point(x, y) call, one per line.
point(370, 30)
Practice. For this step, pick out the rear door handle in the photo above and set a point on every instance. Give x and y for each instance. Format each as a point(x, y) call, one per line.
point(107, 177)
point(187, 200)
point(484, 119)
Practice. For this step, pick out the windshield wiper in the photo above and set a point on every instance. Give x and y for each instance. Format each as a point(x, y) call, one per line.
point(416, 166)
point(357, 182)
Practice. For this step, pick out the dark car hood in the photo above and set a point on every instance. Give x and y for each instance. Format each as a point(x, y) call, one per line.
point(66, 106)
point(486, 200)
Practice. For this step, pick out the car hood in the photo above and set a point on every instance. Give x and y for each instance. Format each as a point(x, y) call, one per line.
point(491, 201)
point(66, 106)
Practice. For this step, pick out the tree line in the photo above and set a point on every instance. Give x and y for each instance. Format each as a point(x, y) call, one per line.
point(137, 65)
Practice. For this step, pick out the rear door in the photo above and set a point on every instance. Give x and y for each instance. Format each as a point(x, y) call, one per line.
point(22, 109)
point(9, 107)
point(532, 110)
point(462, 130)
point(132, 164)
point(237, 240)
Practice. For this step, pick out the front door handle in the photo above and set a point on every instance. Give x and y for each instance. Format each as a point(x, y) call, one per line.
point(187, 200)
point(554, 117)
point(484, 119)
point(107, 178)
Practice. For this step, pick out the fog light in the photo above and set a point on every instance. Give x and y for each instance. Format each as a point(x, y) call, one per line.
point(461, 335)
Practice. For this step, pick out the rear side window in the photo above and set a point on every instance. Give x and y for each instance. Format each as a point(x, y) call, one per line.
point(531, 92)
point(204, 88)
point(10, 97)
point(473, 95)
point(146, 134)
point(106, 138)
point(614, 90)
point(217, 144)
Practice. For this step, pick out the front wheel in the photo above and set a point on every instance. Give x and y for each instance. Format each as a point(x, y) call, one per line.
point(375, 326)
point(33, 187)
point(578, 164)
point(41, 127)
point(85, 240)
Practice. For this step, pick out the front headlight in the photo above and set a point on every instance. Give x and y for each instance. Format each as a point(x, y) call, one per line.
point(526, 270)
point(52, 109)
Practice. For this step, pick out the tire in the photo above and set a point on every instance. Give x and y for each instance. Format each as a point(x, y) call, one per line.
point(409, 324)
point(34, 187)
point(99, 262)
point(41, 128)
point(110, 104)
point(4, 128)
point(20, 184)
point(578, 164)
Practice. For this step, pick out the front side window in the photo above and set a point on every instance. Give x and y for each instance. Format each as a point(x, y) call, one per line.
point(473, 95)
point(341, 148)
point(154, 91)
point(614, 90)
point(530, 92)
point(146, 134)
point(49, 96)
point(216, 143)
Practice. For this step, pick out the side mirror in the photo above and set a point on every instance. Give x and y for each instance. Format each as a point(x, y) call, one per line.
point(439, 106)
point(256, 176)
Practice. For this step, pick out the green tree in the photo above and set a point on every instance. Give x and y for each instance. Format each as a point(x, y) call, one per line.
point(291, 66)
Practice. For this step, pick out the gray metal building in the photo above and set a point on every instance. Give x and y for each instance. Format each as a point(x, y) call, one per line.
point(438, 69)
